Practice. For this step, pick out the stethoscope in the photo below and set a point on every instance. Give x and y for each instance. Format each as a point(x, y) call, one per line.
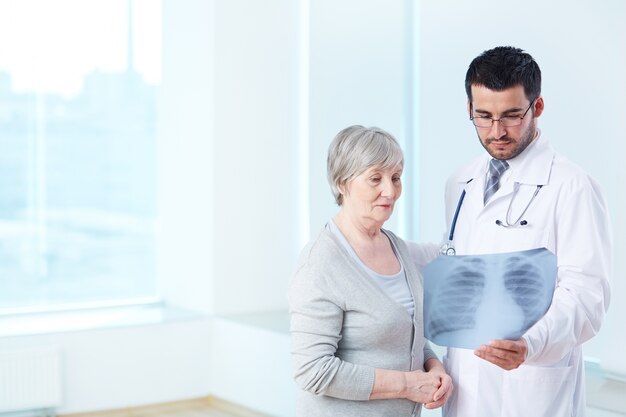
point(448, 247)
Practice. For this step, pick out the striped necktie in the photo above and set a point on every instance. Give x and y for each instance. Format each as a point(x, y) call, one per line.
point(496, 169)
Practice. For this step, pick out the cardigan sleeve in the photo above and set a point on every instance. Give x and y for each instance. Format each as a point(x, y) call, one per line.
point(316, 325)
point(422, 253)
point(429, 353)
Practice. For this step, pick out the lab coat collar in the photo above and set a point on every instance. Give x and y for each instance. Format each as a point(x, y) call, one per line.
point(533, 166)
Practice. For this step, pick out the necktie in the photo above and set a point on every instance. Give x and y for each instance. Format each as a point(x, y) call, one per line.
point(496, 169)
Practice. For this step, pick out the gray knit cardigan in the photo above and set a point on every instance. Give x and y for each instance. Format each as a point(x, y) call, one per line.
point(343, 326)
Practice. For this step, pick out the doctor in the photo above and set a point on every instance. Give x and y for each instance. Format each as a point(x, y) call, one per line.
point(522, 195)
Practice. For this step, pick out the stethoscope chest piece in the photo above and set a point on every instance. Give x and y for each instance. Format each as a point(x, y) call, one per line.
point(447, 249)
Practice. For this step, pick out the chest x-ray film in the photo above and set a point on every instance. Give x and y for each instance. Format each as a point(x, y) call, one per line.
point(470, 300)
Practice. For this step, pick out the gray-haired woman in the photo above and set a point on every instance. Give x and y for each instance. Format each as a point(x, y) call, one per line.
point(356, 297)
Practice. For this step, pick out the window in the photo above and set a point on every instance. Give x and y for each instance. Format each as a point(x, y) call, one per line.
point(78, 129)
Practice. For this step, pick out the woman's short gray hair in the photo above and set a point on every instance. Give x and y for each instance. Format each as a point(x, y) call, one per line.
point(355, 150)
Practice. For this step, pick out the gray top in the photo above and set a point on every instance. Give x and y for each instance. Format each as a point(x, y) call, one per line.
point(343, 326)
point(396, 285)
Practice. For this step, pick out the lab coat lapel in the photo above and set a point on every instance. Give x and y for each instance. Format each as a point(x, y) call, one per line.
point(473, 202)
point(475, 195)
point(535, 165)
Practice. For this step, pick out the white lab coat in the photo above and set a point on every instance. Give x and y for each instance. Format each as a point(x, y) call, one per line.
point(569, 217)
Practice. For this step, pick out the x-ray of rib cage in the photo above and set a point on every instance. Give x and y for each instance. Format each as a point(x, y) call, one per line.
point(470, 300)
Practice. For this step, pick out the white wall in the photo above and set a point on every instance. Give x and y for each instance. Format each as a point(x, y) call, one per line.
point(360, 73)
point(255, 101)
point(122, 367)
point(579, 46)
point(228, 151)
point(186, 190)
point(231, 142)
point(251, 366)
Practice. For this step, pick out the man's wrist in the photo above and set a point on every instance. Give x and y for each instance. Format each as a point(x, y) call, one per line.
point(529, 350)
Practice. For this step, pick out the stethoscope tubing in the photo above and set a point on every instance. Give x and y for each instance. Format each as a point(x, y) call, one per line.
point(456, 215)
point(456, 212)
point(519, 220)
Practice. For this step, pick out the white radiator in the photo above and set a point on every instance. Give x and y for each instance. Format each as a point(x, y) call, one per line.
point(30, 379)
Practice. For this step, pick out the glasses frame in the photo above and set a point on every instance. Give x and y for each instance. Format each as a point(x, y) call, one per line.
point(472, 118)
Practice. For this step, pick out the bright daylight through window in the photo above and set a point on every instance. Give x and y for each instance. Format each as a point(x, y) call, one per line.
point(78, 147)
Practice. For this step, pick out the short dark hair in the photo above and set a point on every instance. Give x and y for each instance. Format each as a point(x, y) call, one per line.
point(504, 67)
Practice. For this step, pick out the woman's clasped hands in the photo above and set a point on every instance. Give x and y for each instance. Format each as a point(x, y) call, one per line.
point(431, 388)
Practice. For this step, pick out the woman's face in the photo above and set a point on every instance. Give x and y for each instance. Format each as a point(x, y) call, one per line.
point(371, 196)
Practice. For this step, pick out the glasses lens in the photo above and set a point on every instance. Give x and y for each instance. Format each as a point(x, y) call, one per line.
point(482, 121)
point(504, 121)
point(510, 121)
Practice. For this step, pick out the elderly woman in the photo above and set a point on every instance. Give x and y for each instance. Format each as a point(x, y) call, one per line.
point(356, 297)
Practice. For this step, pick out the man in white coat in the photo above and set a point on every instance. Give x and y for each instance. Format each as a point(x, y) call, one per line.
point(536, 198)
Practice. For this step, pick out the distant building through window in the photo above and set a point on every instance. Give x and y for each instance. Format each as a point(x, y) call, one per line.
point(78, 171)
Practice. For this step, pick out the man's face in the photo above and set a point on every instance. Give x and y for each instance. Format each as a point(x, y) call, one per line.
point(499, 141)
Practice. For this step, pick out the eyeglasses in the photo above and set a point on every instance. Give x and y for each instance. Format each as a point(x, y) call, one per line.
point(505, 121)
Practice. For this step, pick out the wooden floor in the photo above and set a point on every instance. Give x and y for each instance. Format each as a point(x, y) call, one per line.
point(213, 407)
point(201, 407)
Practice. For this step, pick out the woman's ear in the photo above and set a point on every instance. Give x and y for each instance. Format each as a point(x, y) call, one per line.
point(343, 189)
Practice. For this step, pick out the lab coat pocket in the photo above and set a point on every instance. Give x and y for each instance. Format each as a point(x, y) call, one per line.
point(539, 392)
point(521, 238)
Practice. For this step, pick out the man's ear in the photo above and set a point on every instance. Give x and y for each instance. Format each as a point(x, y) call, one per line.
point(539, 106)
